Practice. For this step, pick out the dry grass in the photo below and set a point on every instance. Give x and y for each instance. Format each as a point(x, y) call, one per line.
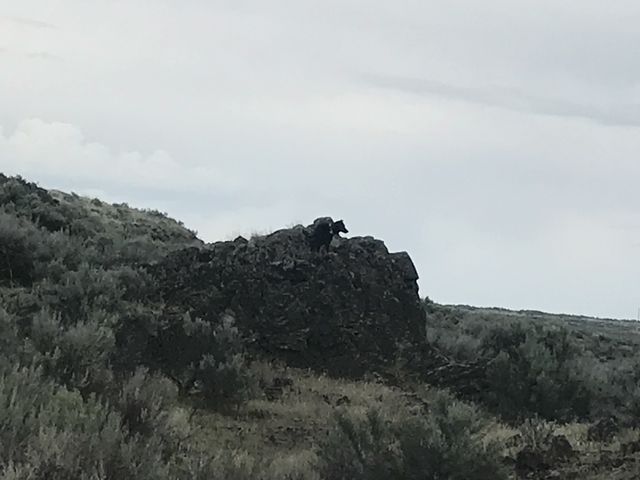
point(293, 423)
point(281, 435)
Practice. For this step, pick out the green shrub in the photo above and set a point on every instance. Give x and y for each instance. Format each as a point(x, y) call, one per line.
point(536, 371)
point(204, 359)
point(224, 383)
point(537, 433)
point(223, 377)
point(9, 341)
point(81, 292)
point(145, 402)
point(377, 444)
point(76, 355)
point(50, 432)
point(241, 465)
point(17, 246)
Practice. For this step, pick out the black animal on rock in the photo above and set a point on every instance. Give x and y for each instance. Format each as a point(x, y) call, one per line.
point(322, 231)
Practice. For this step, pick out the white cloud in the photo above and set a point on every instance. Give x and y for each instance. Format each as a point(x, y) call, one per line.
point(53, 149)
point(25, 22)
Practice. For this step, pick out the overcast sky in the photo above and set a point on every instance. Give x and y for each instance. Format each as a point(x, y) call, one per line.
point(498, 142)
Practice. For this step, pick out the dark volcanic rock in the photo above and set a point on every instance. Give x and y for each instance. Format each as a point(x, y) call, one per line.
point(344, 311)
point(630, 448)
point(560, 449)
point(603, 430)
point(529, 460)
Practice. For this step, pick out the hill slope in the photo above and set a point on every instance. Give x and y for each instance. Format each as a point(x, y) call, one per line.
point(112, 365)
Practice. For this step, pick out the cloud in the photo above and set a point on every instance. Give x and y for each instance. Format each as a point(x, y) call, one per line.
point(54, 149)
point(42, 56)
point(28, 22)
point(17, 54)
point(512, 99)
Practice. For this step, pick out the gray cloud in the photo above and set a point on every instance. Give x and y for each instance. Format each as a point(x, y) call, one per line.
point(512, 99)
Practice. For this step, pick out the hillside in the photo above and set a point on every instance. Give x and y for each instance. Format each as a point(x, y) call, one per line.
point(607, 338)
point(130, 349)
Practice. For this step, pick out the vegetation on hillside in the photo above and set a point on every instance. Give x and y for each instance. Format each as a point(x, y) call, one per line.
point(97, 383)
point(553, 366)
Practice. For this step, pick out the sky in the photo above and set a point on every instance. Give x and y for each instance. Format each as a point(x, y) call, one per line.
point(497, 142)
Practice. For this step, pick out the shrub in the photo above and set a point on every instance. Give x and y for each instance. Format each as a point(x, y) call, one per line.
point(17, 265)
point(536, 371)
point(224, 383)
point(376, 444)
point(537, 433)
point(81, 292)
point(53, 433)
point(241, 465)
point(145, 402)
point(9, 341)
point(203, 359)
point(222, 376)
point(77, 355)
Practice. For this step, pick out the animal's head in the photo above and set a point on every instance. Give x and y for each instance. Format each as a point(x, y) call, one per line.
point(338, 227)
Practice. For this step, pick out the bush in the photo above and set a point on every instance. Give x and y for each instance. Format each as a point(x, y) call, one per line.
point(79, 293)
point(77, 355)
point(204, 359)
point(53, 433)
point(17, 262)
point(144, 403)
point(9, 341)
point(222, 376)
point(241, 465)
point(224, 383)
point(536, 371)
point(148, 406)
point(376, 444)
point(537, 434)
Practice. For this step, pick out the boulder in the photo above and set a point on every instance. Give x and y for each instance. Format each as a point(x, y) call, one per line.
point(560, 449)
point(604, 430)
point(529, 460)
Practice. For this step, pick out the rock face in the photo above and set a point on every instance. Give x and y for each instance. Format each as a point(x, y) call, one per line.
point(343, 311)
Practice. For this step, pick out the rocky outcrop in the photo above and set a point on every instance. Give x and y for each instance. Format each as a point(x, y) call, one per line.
point(344, 311)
